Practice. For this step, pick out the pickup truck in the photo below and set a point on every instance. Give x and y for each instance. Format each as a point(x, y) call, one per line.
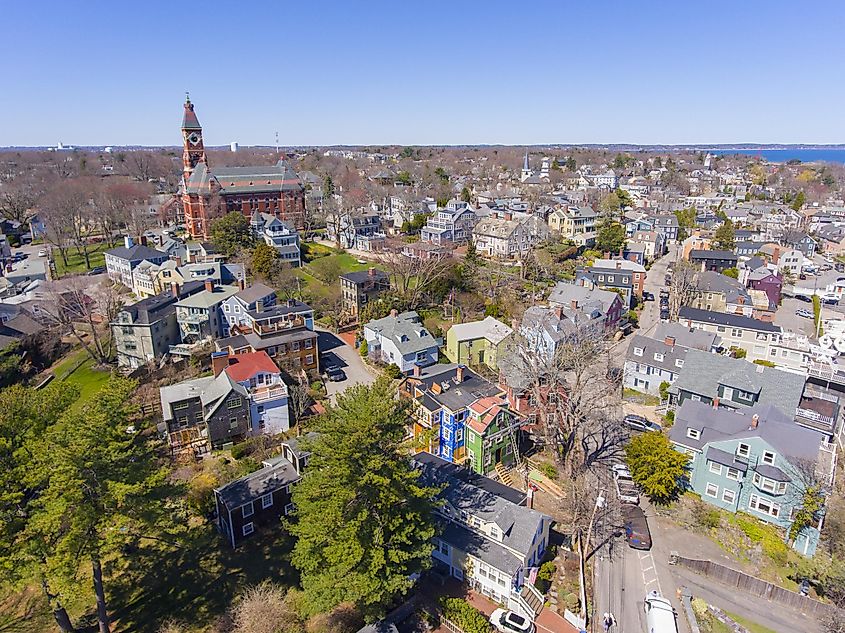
point(626, 490)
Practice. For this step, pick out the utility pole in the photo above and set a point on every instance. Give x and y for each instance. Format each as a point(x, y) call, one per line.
point(583, 548)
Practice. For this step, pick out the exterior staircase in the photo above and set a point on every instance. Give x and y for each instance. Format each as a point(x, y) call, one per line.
point(531, 598)
point(504, 474)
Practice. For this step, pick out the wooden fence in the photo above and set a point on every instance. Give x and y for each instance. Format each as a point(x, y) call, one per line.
point(752, 585)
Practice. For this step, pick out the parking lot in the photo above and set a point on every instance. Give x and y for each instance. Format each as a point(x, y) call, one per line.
point(333, 351)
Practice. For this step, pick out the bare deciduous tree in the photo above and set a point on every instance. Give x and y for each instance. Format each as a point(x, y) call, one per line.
point(683, 291)
point(412, 278)
point(266, 608)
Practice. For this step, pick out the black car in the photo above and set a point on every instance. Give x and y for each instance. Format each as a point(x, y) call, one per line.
point(636, 527)
point(335, 374)
point(639, 423)
point(647, 296)
point(804, 298)
point(839, 267)
point(97, 270)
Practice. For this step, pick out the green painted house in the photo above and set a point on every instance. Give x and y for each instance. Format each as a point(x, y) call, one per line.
point(477, 343)
point(491, 436)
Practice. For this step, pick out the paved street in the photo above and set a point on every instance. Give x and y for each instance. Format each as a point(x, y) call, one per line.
point(334, 350)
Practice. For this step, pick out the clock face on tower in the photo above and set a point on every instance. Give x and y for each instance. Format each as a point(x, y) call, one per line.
point(194, 138)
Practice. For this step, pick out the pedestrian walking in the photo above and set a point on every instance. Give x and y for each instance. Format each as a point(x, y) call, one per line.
point(608, 621)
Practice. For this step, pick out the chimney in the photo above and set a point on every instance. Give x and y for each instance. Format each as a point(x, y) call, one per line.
point(618, 264)
point(219, 362)
point(715, 403)
point(241, 283)
point(508, 215)
point(459, 373)
point(670, 341)
point(574, 304)
point(174, 289)
point(371, 271)
point(259, 305)
point(209, 285)
point(416, 370)
point(178, 260)
point(394, 313)
point(127, 242)
point(755, 420)
point(143, 240)
point(558, 312)
point(291, 303)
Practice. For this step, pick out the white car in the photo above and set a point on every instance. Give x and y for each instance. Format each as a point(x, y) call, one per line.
point(620, 470)
point(42, 253)
point(510, 622)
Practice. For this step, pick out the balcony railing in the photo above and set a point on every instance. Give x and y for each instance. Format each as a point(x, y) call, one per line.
point(279, 326)
point(193, 318)
point(263, 394)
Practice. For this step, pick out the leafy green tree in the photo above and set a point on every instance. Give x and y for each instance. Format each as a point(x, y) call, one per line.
point(328, 186)
point(26, 415)
point(404, 177)
point(686, 222)
point(610, 205)
point(610, 236)
point(364, 348)
point(733, 273)
point(265, 261)
point(811, 503)
point(657, 468)
point(571, 164)
point(798, 202)
point(625, 199)
point(363, 521)
point(472, 253)
point(664, 390)
point(231, 233)
point(100, 491)
point(466, 195)
point(725, 236)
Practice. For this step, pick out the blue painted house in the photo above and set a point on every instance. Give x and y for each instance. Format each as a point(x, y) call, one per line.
point(757, 461)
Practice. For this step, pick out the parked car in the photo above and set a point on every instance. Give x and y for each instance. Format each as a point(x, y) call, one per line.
point(825, 267)
point(626, 490)
point(639, 423)
point(806, 314)
point(510, 622)
point(97, 270)
point(620, 470)
point(659, 614)
point(636, 527)
point(335, 373)
point(804, 298)
point(42, 253)
point(830, 299)
point(839, 267)
point(647, 296)
point(664, 315)
point(20, 256)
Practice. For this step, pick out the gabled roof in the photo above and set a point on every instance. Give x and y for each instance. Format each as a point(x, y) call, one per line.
point(405, 331)
point(242, 367)
point(136, 253)
point(726, 320)
point(711, 254)
point(255, 485)
point(253, 293)
point(489, 329)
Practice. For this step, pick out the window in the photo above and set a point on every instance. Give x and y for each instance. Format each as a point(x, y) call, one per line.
point(234, 403)
point(712, 490)
point(733, 474)
point(198, 416)
point(309, 359)
point(248, 529)
point(266, 501)
point(715, 468)
point(180, 406)
point(695, 397)
point(638, 351)
point(658, 357)
point(763, 506)
point(679, 362)
point(728, 496)
point(309, 344)
point(693, 434)
point(743, 450)
point(736, 332)
point(248, 510)
point(233, 424)
point(182, 420)
point(769, 458)
point(288, 508)
point(295, 346)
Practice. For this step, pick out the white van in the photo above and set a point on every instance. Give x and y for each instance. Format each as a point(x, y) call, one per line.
point(659, 614)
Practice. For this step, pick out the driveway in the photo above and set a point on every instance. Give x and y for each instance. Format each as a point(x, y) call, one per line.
point(335, 351)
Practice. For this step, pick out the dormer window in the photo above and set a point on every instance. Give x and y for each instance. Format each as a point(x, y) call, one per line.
point(693, 434)
point(769, 458)
point(638, 351)
point(494, 533)
point(658, 357)
point(679, 362)
point(743, 450)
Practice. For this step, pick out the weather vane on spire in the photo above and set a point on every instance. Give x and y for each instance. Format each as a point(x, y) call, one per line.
point(187, 97)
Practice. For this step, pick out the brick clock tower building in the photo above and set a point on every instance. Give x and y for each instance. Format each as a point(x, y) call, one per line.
point(206, 194)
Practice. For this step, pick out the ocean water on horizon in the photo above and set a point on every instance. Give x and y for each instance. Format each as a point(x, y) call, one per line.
point(783, 155)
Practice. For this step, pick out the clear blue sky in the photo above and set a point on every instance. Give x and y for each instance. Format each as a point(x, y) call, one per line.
point(423, 72)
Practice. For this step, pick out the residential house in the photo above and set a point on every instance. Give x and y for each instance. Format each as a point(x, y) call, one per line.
point(790, 261)
point(638, 224)
point(574, 223)
point(734, 383)
point(769, 282)
point(651, 361)
point(206, 413)
point(453, 224)
point(653, 244)
point(486, 538)
point(756, 337)
point(284, 331)
point(144, 331)
point(588, 300)
point(267, 392)
point(756, 461)
point(279, 234)
point(425, 251)
point(174, 272)
point(620, 274)
point(504, 237)
point(200, 316)
point(747, 248)
point(442, 395)
point(401, 340)
point(720, 293)
point(262, 498)
point(348, 230)
point(477, 342)
point(121, 261)
point(714, 260)
point(668, 225)
point(491, 436)
point(357, 289)
point(236, 308)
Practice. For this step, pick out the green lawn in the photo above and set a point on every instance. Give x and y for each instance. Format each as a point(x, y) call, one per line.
point(78, 369)
point(753, 627)
point(76, 262)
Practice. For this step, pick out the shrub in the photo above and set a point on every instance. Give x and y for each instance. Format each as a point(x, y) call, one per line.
point(547, 571)
point(393, 371)
point(664, 390)
point(549, 470)
point(772, 544)
point(200, 495)
point(364, 349)
point(467, 617)
point(247, 447)
point(705, 516)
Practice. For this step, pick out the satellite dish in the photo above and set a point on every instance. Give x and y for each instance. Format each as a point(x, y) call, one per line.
point(826, 341)
point(839, 344)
